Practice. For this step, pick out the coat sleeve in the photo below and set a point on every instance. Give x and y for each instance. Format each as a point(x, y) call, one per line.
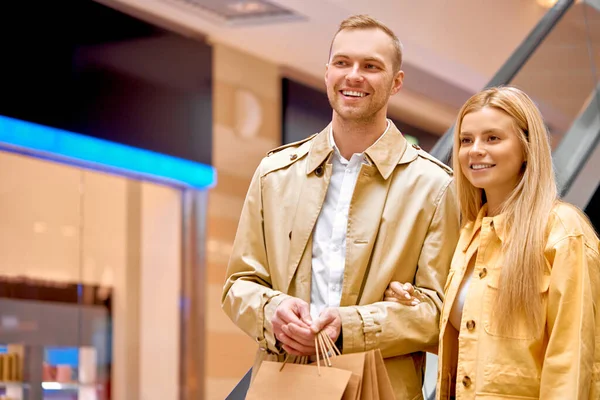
point(397, 329)
point(569, 359)
point(248, 298)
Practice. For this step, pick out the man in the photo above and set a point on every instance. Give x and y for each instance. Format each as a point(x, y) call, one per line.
point(328, 222)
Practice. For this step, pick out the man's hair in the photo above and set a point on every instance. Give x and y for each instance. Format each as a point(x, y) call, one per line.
point(363, 21)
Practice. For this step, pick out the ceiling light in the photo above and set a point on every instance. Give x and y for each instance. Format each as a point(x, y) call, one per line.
point(239, 12)
point(247, 7)
point(547, 3)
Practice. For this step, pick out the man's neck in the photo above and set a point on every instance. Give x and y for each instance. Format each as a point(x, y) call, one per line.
point(356, 136)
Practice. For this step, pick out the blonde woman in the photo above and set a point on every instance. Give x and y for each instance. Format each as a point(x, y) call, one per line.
point(520, 318)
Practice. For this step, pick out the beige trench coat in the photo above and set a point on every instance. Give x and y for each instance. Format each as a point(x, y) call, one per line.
point(402, 225)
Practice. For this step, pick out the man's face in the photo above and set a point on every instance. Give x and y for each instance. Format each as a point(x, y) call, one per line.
point(360, 77)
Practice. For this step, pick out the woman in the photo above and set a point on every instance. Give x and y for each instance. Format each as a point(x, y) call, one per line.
point(520, 315)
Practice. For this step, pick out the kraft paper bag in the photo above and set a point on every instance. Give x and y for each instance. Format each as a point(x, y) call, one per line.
point(298, 382)
point(354, 363)
point(384, 385)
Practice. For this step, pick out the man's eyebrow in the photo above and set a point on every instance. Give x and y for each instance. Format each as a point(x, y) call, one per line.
point(370, 58)
point(373, 59)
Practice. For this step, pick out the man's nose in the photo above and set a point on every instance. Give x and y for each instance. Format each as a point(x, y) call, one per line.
point(355, 73)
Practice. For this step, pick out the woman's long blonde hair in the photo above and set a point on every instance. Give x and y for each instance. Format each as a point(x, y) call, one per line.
point(526, 210)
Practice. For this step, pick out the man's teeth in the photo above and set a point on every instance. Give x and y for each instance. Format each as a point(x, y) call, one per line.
point(354, 94)
point(481, 166)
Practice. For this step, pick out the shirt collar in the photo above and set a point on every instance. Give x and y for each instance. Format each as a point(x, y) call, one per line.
point(337, 151)
point(388, 151)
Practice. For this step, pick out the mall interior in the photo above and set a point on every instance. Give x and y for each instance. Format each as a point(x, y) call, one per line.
point(130, 130)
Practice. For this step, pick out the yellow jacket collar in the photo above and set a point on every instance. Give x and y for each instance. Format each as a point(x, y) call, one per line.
point(498, 222)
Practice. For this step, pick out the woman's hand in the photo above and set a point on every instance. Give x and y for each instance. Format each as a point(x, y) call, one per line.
point(403, 293)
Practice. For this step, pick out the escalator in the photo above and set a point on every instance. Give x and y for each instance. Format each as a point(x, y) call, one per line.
point(558, 66)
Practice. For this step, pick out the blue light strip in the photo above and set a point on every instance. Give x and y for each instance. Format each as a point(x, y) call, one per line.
point(101, 154)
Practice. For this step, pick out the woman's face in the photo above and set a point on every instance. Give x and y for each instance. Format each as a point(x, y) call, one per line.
point(491, 155)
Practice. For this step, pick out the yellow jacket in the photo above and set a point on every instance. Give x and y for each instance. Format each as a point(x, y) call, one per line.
point(402, 225)
point(562, 361)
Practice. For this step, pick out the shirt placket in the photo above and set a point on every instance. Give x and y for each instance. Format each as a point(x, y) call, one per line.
point(340, 225)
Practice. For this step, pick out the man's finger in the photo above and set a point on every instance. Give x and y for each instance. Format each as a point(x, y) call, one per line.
point(294, 352)
point(304, 313)
point(289, 312)
point(328, 316)
point(295, 347)
point(302, 335)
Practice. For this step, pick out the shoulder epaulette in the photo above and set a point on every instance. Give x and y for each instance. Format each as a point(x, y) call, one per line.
point(422, 153)
point(285, 146)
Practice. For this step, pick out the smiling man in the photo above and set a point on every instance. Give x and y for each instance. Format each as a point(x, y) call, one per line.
point(330, 221)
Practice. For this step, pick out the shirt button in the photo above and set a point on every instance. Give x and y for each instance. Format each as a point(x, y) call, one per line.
point(483, 273)
point(466, 381)
point(470, 325)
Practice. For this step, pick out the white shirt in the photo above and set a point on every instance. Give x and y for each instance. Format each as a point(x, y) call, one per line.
point(329, 237)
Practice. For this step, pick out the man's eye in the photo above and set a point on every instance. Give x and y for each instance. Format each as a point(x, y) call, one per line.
point(493, 138)
point(371, 66)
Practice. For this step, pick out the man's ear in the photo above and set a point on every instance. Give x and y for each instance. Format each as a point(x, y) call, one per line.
point(398, 81)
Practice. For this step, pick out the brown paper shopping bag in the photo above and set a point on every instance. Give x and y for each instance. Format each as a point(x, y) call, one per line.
point(369, 391)
point(354, 363)
point(293, 381)
point(384, 385)
point(369, 380)
point(297, 382)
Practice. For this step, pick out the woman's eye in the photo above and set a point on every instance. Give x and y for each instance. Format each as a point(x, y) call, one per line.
point(465, 141)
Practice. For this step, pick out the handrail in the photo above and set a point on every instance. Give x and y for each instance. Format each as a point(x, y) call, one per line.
point(578, 144)
point(442, 150)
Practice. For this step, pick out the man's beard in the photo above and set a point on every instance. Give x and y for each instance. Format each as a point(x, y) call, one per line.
point(358, 114)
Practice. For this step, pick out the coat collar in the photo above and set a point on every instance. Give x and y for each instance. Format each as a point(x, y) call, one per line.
point(390, 150)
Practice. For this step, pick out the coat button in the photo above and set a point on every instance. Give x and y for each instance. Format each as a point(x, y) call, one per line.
point(416, 146)
point(293, 157)
point(466, 381)
point(470, 325)
point(483, 273)
point(319, 171)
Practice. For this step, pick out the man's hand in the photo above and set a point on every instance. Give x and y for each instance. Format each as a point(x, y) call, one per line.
point(291, 326)
point(330, 321)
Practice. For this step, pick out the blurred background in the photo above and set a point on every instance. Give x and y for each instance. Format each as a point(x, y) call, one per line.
point(130, 130)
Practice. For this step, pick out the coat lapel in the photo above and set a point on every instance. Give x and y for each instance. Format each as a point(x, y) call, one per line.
point(310, 202)
point(366, 209)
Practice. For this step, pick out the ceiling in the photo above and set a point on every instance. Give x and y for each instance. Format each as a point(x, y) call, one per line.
point(451, 47)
